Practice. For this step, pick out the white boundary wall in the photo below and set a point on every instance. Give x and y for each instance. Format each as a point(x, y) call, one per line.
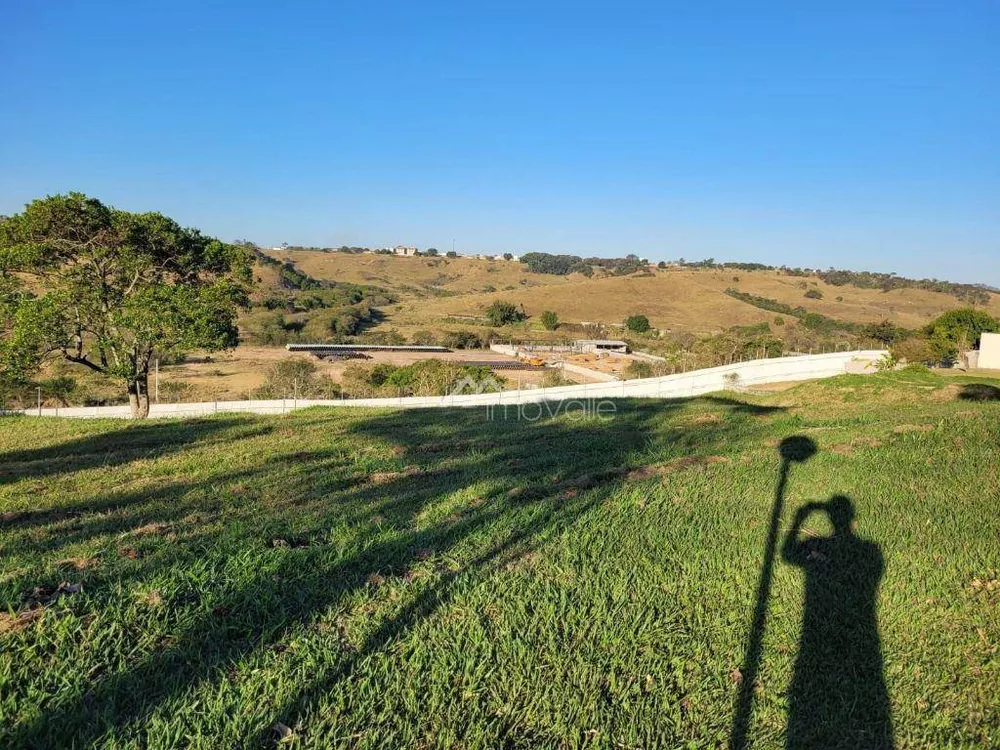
point(681, 385)
point(989, 352)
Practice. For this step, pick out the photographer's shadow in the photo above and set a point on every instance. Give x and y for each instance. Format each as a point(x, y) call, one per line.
point(838, 696)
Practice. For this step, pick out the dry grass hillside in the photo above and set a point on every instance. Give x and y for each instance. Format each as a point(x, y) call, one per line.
point(431, 289)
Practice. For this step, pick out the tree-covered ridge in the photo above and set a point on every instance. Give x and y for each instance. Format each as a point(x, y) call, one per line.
point(973, 294)
point(289, 277)
point(884, 332)
point(562, 265)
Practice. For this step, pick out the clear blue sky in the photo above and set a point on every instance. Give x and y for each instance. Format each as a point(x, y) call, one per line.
point(853, 134)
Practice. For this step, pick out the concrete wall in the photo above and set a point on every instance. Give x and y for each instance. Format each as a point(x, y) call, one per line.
point(989, 351)
point(695, 383)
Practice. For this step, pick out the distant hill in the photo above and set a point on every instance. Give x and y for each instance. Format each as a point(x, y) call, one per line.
point(434, 291)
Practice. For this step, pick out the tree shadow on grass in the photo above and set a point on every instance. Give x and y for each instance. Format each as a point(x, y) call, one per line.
point(464, 497)
point(131, 442)
point(979, 392)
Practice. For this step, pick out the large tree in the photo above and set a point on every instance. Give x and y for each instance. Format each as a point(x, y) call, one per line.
point(111, 290)
point(961, 329)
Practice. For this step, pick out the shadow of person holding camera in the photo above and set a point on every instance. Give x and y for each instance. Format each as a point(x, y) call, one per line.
point(838, 696)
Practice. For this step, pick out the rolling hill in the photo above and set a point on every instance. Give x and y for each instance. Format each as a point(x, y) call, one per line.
point(432, 290)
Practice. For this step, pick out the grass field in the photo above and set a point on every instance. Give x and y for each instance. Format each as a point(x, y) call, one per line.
point(432, 579)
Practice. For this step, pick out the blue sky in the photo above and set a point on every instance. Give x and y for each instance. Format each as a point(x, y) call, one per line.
point(860, 135)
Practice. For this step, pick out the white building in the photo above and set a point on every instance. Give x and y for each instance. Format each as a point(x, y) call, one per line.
point(404, 250)
point(989, 351)
point(601, 345)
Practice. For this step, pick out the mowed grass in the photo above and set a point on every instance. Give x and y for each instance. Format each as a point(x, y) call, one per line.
point(342, 578)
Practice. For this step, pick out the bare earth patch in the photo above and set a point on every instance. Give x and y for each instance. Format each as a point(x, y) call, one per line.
point(79, 563)
point(680, 464)
point(385, 477)
point(903, 429)
point(707, 418)
point(12, 623)
point(151, 528)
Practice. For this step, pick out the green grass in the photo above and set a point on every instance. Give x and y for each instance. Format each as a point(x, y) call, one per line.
point(429, 578)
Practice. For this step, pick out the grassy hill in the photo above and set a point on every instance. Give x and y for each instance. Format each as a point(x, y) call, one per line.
point(676, 299)
point(429, 578)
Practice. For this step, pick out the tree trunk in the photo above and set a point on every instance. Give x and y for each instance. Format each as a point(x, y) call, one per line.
point(138, 397)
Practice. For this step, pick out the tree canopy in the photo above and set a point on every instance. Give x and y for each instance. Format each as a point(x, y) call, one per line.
point(502, 313)
point(962, 328)
point(637, 323)
point(110, 290)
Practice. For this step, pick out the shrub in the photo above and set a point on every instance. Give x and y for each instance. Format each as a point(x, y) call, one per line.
point(462, 340)
point(502, 313)
point(58, 388)
point(814, 294)
point(423, 338)
point(173, 391)
point(638, 369)
point(391, 337)
point(555, 379)
point(886, 333)
point(919, 350)
point(886, 363)
point(275, 302)
point(270, 329)
point(550, 321)
point(297, 376)
point(429, 377)
point(637, 323)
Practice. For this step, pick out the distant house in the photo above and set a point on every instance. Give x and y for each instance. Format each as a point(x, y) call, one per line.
point(404, 250)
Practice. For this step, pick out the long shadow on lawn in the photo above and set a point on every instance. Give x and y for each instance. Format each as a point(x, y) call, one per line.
point(979, 392)
point(838, 697)
point(132, 442)
point(533, 480)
